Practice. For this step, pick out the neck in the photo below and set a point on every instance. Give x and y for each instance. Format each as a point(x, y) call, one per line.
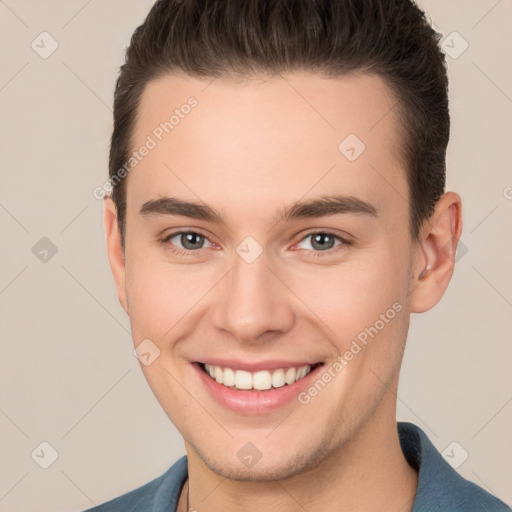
point(367, 473)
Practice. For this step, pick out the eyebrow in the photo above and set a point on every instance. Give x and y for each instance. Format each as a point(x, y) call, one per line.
point(315, 208)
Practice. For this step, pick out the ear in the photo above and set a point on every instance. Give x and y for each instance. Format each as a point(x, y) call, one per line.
point(435, 253)
point(114, 249)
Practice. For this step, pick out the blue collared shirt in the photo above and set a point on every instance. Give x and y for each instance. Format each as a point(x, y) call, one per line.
point(440, 487)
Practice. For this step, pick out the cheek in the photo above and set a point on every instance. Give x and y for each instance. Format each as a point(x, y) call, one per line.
point(349, 297)
point(165, 299)
point(361, 308)
point(362, 311)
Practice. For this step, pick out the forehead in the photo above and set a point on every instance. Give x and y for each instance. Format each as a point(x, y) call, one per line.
point(268, 141)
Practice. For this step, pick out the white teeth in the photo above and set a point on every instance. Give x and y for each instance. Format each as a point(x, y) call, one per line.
point(278, 379)
point(229, 377)
point(243, 380)
point(302, 372)
point(218, 374)
point(290, 375)
point(261, 380)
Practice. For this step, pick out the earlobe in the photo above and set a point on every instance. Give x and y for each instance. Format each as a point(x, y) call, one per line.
point(436, 253)
point(114, 249)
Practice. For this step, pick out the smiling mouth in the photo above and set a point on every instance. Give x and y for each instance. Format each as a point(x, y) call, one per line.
point(258, 381)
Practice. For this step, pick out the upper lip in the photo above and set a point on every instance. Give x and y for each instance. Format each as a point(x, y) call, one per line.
point(253, 366)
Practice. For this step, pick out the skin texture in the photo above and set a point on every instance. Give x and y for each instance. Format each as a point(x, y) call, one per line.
point(248, 150)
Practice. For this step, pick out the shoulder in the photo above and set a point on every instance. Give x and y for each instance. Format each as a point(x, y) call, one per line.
point(440, 487)
point(158, 495)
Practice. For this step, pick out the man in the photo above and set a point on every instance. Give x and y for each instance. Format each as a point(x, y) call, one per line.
point(278, 211)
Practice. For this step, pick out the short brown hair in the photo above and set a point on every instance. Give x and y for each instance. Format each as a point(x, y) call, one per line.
point(216, 38)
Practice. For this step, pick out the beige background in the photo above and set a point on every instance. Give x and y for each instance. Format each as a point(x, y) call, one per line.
point(67, 372)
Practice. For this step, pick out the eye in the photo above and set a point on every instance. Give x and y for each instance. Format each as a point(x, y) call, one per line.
point(322, 241)
point(186, 241)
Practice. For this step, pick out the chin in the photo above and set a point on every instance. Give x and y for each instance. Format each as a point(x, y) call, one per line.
point(279, 467)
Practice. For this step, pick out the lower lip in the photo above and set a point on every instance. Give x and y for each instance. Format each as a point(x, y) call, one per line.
point(254, 402)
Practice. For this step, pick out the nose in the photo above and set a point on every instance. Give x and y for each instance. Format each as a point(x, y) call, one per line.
point(252, 302)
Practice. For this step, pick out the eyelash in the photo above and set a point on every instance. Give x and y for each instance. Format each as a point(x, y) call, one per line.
point(315, 254)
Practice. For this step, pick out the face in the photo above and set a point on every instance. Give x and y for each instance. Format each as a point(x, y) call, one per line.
point(261, 237)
